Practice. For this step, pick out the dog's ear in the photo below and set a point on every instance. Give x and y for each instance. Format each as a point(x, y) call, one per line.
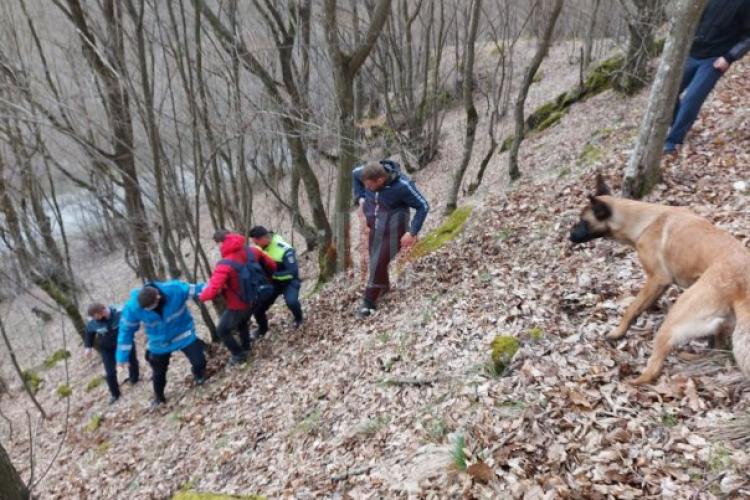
point(601, 210)
point(601, 186)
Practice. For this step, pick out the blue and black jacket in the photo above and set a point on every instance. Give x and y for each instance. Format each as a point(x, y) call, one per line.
point(723, 31)
point(397, 196)
point(105, 331)
point(168, 328)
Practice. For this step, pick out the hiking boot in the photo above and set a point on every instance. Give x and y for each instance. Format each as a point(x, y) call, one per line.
point(113, 399)
point(200, 380)
point(365, 312)
point(238, 359)
point(258, 333)
point(156, 404)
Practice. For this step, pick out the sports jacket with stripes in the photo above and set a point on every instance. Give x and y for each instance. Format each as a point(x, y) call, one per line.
point(397, 196)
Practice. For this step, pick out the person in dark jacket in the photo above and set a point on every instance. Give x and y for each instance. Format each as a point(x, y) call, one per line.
point(722, 37)
point(285, 280)
point(385, 197)
point(225, 282)
point(162, 308)
point(102, 328)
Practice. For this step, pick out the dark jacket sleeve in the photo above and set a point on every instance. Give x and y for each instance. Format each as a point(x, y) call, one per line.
point(415, 199)
point(88, 338)
point(743, 46)
point(266, 262)
point(358, 186)
point(290, 268)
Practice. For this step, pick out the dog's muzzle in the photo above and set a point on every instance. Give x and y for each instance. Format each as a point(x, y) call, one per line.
point(581, 233)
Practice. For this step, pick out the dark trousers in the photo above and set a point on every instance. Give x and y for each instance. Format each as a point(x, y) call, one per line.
point(230, 321)
point(698, 79)
point(290, 291)
point(384, 243)
point(259, 311)
point(160, 362)
point(110, 369)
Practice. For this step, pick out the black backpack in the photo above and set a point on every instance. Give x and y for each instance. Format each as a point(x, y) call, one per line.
point(252, 278)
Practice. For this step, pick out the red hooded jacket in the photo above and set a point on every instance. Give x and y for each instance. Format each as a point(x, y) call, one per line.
point(224, 280)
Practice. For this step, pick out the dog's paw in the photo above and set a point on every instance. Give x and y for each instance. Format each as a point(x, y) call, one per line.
point(642, 380)
point(615, 335)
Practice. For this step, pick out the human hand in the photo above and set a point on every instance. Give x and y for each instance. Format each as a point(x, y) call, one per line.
point(408, 240)
point(721, 64)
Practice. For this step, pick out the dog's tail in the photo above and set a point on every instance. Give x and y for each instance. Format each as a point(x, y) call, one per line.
point(741, 336)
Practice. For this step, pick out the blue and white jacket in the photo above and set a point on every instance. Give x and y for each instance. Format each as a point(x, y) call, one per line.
point(170, 329)
point(397, 196)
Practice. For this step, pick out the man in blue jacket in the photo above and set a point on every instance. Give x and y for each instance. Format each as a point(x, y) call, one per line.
point(722, 37)
point(103, 328)
point(385, 197)
point(163, 310)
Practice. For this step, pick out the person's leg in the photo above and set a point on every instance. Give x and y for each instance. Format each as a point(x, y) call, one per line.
point(159, 364)
point(260, 309)
point(110, 371)
point(133, 367)
point(243, 327)
point(688, 73)
point(697, 91)
point(291, 297)
point(227, 324)
point(376, 282)
point(194, 353)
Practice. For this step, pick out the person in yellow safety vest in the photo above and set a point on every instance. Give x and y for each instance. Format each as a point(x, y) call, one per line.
point(286, 279)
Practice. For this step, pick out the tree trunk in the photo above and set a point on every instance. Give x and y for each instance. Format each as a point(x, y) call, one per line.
point(643, 172)
point(472, 119)
point(641, 27)
point(11, 485)
point(345, 69)
point(120, 122)
point(589, 43)
point(528, 78)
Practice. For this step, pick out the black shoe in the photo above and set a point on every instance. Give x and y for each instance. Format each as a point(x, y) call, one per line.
point(298, 323)
point(113, 399)
point(364, 312)
point(200, 380)
point(258, 333)
point(156, 404)
point(238, 359)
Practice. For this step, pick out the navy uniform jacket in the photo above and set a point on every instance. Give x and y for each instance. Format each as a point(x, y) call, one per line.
point(105, 331)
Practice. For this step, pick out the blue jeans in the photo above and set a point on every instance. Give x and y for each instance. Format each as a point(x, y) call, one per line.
point(698, 79)
point(110, 369)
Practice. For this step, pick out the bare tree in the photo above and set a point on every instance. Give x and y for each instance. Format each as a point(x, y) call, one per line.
point(346, 65)
point(472, 118)
point(110, 70)
point(588, 44)
point(642, 171)
point(536, 61)
point(11, 485)
point(643, 18)
point(19, 371)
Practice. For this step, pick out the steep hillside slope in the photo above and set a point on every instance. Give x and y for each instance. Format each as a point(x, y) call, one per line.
point(398, 404)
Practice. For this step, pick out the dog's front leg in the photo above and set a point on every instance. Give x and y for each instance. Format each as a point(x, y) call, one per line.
point(650, 293)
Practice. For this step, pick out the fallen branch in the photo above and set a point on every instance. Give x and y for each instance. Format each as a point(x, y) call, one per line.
point(352, 472)
point(413, 381)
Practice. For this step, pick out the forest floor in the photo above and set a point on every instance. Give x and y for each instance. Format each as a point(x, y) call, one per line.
point(400, 404)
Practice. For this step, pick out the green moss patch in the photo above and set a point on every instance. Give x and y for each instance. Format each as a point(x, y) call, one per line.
point(447, 231)
point(94, 383)
point(32, 380)
point(204, 495)
point(94, 423)
point(64, 390)
point(504, 347)
point(56, 357)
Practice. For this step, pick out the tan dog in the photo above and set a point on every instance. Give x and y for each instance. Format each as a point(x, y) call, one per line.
point(677, 246)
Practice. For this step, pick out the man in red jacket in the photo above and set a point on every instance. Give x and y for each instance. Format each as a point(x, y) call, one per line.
point(225, 282)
